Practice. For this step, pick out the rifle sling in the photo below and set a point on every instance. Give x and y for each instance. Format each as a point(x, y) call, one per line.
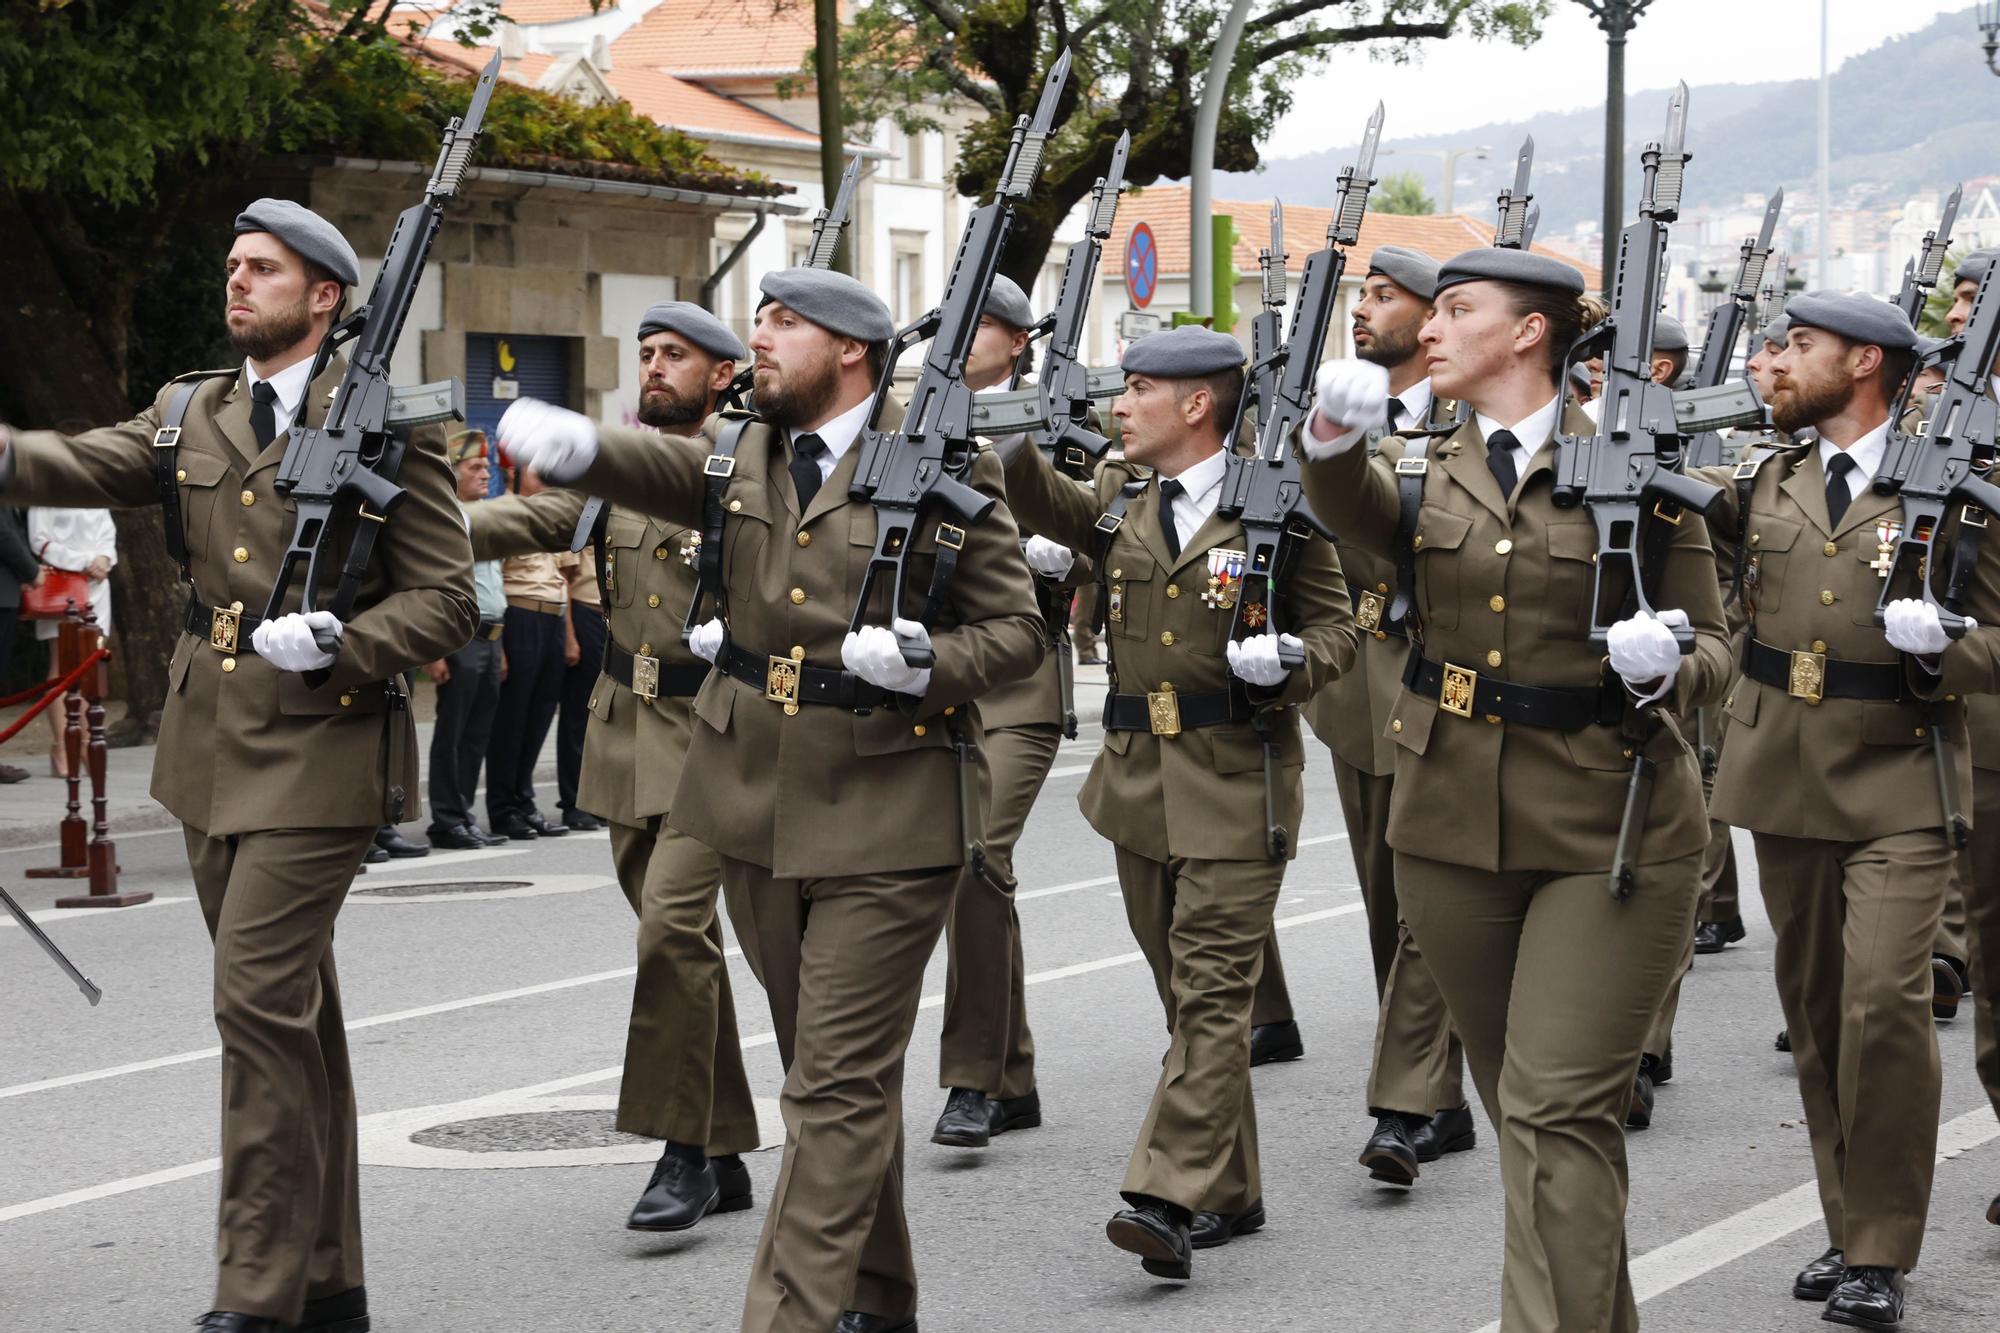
point(166, 454)
point(721, 466)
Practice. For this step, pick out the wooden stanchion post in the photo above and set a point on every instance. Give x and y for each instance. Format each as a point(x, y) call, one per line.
point(83, 745)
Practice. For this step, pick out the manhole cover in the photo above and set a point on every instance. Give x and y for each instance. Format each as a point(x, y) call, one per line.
point(534, 1131)
point(453, 886)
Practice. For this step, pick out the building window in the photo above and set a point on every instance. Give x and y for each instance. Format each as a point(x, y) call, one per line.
point(908, 276)
point(913, 156)
point(1049, 288)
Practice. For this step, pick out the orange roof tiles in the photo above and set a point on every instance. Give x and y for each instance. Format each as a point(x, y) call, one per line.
point(684, 36)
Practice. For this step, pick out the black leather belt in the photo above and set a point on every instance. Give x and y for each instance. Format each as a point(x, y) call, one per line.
point(677, 680)
point(1466, 693)
point(1170, 712)
point(489, 630)
point(1371, 612)
point(786, 680)
point(1815, 676)
point(227, 631)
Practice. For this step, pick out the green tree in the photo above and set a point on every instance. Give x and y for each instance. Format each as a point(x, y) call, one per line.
point(1937, 302)
point(1403, 193)
point(1139, 65)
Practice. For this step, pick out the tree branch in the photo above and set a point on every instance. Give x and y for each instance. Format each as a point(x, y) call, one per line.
point(1367, 32)
point(944, 59)
point(1287, 12)
point(1096, 21)
point(945, 13)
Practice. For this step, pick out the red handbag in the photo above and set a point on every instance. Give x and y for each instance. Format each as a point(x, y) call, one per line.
point(49, 597)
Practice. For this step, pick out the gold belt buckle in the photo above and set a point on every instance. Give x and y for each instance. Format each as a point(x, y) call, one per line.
point(1455, 694)
point(781, 682)
point(1163, 711)
point(1368, 614)
point(1808, 676)
point(223, 625)
point(645, 676)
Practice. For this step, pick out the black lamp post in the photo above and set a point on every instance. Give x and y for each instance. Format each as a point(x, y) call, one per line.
point(1989, 23)
point(1616, 18)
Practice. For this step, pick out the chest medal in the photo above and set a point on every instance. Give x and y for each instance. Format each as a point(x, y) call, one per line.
point(1225, 578)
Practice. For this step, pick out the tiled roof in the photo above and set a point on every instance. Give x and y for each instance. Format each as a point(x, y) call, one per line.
point(1164, 209)
point(736, 36)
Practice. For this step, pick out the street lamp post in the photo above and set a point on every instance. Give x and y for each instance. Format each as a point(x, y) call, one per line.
point(1616, 18)
point(1989, 23)
point(1450, 156)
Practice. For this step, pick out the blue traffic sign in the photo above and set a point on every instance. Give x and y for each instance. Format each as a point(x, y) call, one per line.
point(1142, 266)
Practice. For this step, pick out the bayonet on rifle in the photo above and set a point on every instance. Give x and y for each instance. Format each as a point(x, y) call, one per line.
point(1725, 329)
point(1265, 326)
point(831, 221)
point(1511, 230)
point(1922, 274)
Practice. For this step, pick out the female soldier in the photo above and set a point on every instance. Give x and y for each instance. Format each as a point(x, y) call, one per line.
point(1514, 749)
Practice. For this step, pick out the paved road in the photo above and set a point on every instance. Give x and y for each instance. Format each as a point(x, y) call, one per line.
point(490, 1026)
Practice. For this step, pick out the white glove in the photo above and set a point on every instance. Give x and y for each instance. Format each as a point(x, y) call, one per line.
point(1255, 659)
point(1644, 653)
point(1911, 625)
point(287, 642)
point(871, 653)
point(1047, 558)
point(554, 441)
point(706, 640)
point(1353, 395)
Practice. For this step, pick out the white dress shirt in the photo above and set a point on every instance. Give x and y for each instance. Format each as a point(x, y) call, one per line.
point(1416, 401)
point(1202, 491)
point(291, 384)
point(1867, 455)
point(839, 435)
point(1530, 433)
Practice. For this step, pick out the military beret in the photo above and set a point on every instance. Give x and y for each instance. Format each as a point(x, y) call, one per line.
point(1008, 303)
point(1492, 264)
point(1774, 332)
point(696, 325)
point(1188, 352)
point(1929, 346)
point(837, 303)
point(308, 234)
point(1861, 319)
point(1412, 270)
point(1579, 379)
point(465, 444)
point(1973, 267)
point(1669, 334)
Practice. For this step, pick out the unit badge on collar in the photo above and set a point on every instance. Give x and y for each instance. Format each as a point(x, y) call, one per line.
point(1225, 578)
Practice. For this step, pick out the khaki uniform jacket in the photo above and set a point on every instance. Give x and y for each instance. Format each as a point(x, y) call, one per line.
point(1199, 794)
point(1867, 765)
point(244, 747)
point(634, 747)
point(826, 791)
point(1505, 589)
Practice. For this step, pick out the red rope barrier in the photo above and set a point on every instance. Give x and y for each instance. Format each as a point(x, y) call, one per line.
point(50, 690)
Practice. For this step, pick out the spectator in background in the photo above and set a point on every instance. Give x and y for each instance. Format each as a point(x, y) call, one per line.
point(18, 566)
point(583, 655)
point(531, 685)
point(83, 541)
point(468, 682)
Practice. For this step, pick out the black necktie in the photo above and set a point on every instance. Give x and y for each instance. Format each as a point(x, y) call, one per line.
point(806, 450)
point(1500, 461)
point(1168, 528)
point(263, 413)
point(1395, 411)
point(1838, 497)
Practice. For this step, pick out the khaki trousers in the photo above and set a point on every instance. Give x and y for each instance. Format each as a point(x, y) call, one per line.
point(1982, 909)
point(289, 1228)
point(1721, 899)
point(1660, 1038)
point(986, 1044)
point(842, 962)
point(1854, 923)
point(1949, 941)
point(684, 1078)
point(1552, 984)
point(1272, 1002)
point(1203, 926)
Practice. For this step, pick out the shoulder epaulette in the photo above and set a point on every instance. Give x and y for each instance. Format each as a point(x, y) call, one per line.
point(194, 375)
point(737, 414)
point(1130, 490)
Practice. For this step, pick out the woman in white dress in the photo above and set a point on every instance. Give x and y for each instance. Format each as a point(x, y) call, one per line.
point(84, 541)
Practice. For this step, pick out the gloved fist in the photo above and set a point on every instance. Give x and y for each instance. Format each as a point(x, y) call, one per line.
point(1353, 395)
point(1645, 654)
point(705, 640)
point(1255, 659)
point(292, 643)
point(554, 441)
point(1911, 625)
point(871, 653)
point(1047, 558)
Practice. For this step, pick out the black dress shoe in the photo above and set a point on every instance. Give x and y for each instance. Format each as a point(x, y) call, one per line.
point(683, 1190)
point(1091, 659)
point(1784, 1041)
point(732, 1180)
point(515, 827)
point(1209, 1230)
point(1993, 1211)
point(459, 839)
point(472, 828)
point(1715, 936)
point(1869, 1298)
point(1275, 1043)
point(375, 857)
point(971, 1118)
point(854, 1321)
point(1640, 1113)
point(343, 1312)
point(580, 822)
point(1156, 1231)
point(1389, 1155)
point(1948, 984)
point(1817, 1279)
point(1663, 1068)
point(1450, 1130)
point(391, 840)
point(534, 820)
point(226, 1321)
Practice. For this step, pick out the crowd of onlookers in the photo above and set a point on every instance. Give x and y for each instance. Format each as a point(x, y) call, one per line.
point(33, 544)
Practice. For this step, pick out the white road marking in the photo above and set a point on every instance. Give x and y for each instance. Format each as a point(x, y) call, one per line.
point(62, 915)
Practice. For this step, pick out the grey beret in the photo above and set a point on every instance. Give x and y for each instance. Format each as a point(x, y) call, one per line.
point(1412, 270)
point(1579, 377)
point(1861, 319)
point(1669, 334)
point(1008, 303)
point(837, 303)
point(308, 234)
point(696, 325)
point(1927, 346)
point(1973, 267)
point(1490, 264)
point(1775, 332)
point(1188, 352)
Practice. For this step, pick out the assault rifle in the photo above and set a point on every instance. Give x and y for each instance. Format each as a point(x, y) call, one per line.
point(349, 464)
point(1921, 274)
point(89, 988)
point(1266, 350)
point(1725, 326)
point(1511, 229)
point(1064, 384)
point(904, 472)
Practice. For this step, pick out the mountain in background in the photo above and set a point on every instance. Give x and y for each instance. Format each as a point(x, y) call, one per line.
point(1918, 111)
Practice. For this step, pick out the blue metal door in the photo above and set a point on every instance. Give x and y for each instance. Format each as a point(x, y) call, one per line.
point(502, 367)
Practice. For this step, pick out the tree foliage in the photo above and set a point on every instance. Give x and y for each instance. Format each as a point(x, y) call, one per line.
point(1402, 192)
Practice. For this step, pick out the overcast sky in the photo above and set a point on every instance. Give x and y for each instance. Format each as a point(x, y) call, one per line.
point(1464, 83)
